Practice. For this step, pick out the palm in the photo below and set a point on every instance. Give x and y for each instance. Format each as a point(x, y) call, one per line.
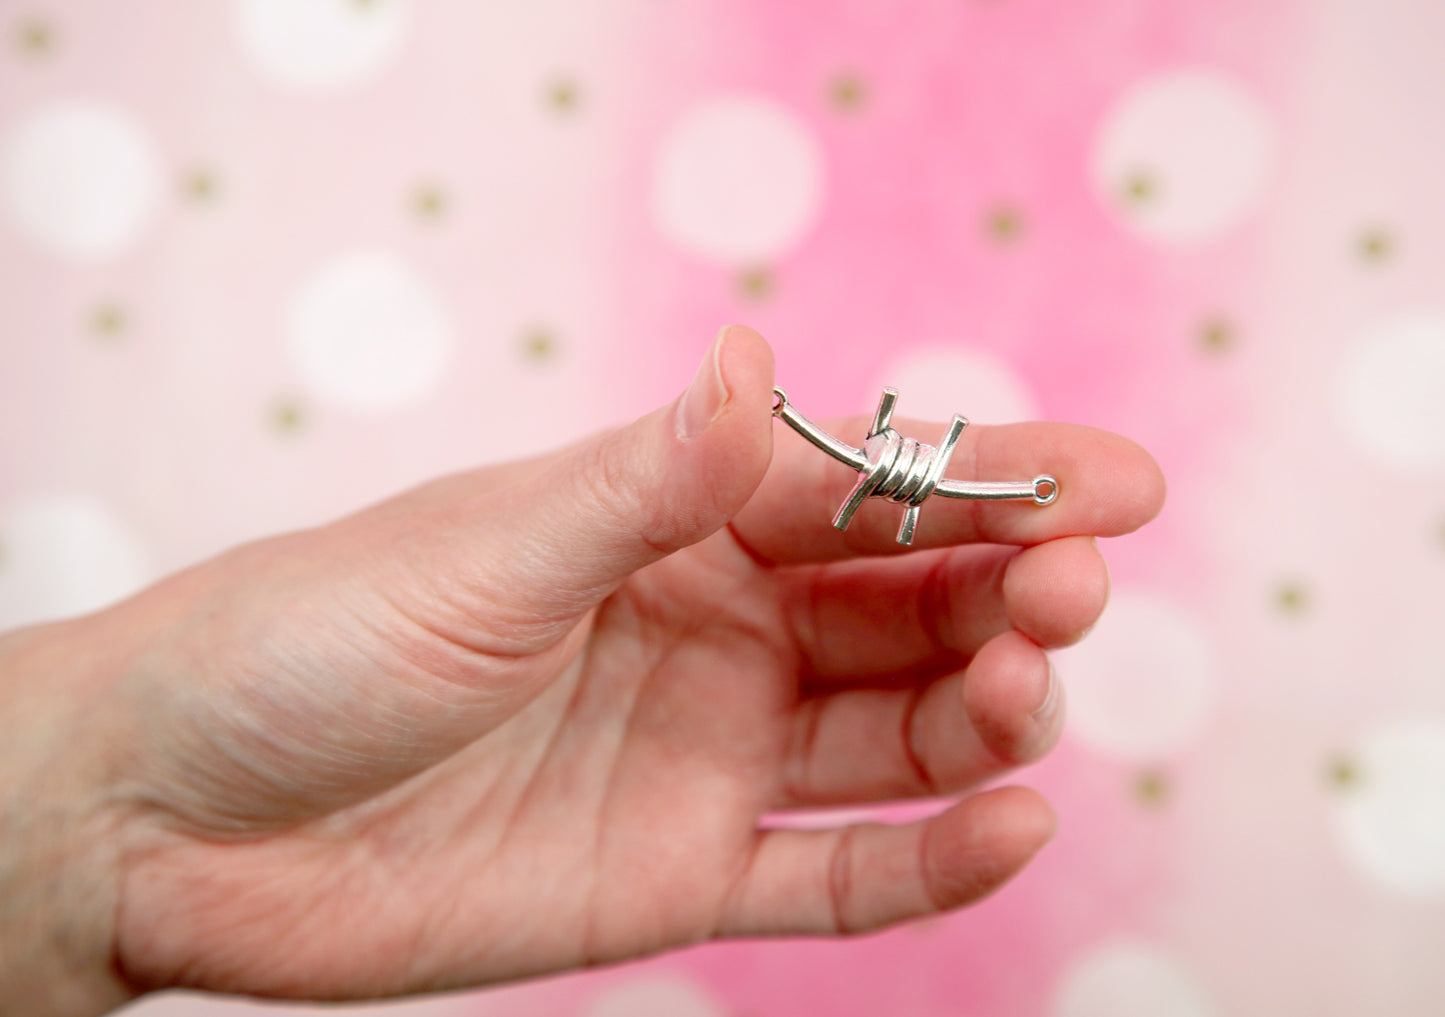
point(660, 742)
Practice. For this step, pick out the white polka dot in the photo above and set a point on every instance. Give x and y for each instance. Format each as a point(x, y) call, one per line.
point(1391, 391)
point(80, 178)
point(319, 44)
point(1184, 156)
point(1390, 820)
point(63, 555)
point(1128, 979)
point(368, 333)
point(1141, 685)
point(655, 996)
point(934, 384)
point(738, 179)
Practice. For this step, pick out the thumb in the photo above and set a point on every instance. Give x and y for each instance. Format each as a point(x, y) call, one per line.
point(568, 535)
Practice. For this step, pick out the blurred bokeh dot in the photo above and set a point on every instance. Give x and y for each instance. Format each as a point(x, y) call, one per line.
point(1184, 156)
point(1151, 788)
point(539, 345)
point(430, 202)
point(286, 416)
point(368, 333)
point(319, 45)
point(655, 996)
point(64, 555)
point(1391, 391)
point(1141, 685)
point(199, 185)
point(1130, 979)
point(738, 179)
point(1292, 598)
point(1375, 245)
point(1217, 335)
point(1390, 817)
point(563, 94)
point(1004, 224)
point(848, 91)
point(34, 37)
point(80, 178)
point(935, 383)
point(756, 284)
point(1342, 773)
point(107, 321)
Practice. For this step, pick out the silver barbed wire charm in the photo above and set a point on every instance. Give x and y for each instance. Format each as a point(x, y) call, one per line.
point(904, 470)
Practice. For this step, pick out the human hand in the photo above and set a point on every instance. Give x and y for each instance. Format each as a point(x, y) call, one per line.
point(528, 718)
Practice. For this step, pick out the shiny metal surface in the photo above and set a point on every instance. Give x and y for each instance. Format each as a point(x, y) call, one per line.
point(904, 470)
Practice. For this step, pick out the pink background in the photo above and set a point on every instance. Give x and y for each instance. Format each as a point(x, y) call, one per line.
point(1216, 226)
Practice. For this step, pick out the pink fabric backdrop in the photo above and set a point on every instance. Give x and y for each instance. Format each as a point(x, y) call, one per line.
point(264, 261)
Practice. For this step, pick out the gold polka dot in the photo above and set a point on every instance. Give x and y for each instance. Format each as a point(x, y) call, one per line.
point(107, 321)
point(848, 92)
point(1342, 773)
point(287, 416)
point(563, 95)
point(1151, 788)
point(366, 6)
point(1292, 598)
point(1375, 245)
point(199, 186)
point(1004, 224)
point(539, 345)
point(756, 284)
point(1216, 335)
point(1139, 188)
point(429, 202)
point(34, 37)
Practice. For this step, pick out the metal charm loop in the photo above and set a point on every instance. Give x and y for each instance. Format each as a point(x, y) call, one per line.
point(904, 470)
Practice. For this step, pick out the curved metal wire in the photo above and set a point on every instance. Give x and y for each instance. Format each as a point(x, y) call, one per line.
point(904, 470)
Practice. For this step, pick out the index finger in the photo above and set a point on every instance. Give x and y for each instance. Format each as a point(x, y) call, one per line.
point(1108, 486)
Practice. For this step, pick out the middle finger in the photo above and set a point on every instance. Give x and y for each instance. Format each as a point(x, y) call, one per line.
point(883, 621)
